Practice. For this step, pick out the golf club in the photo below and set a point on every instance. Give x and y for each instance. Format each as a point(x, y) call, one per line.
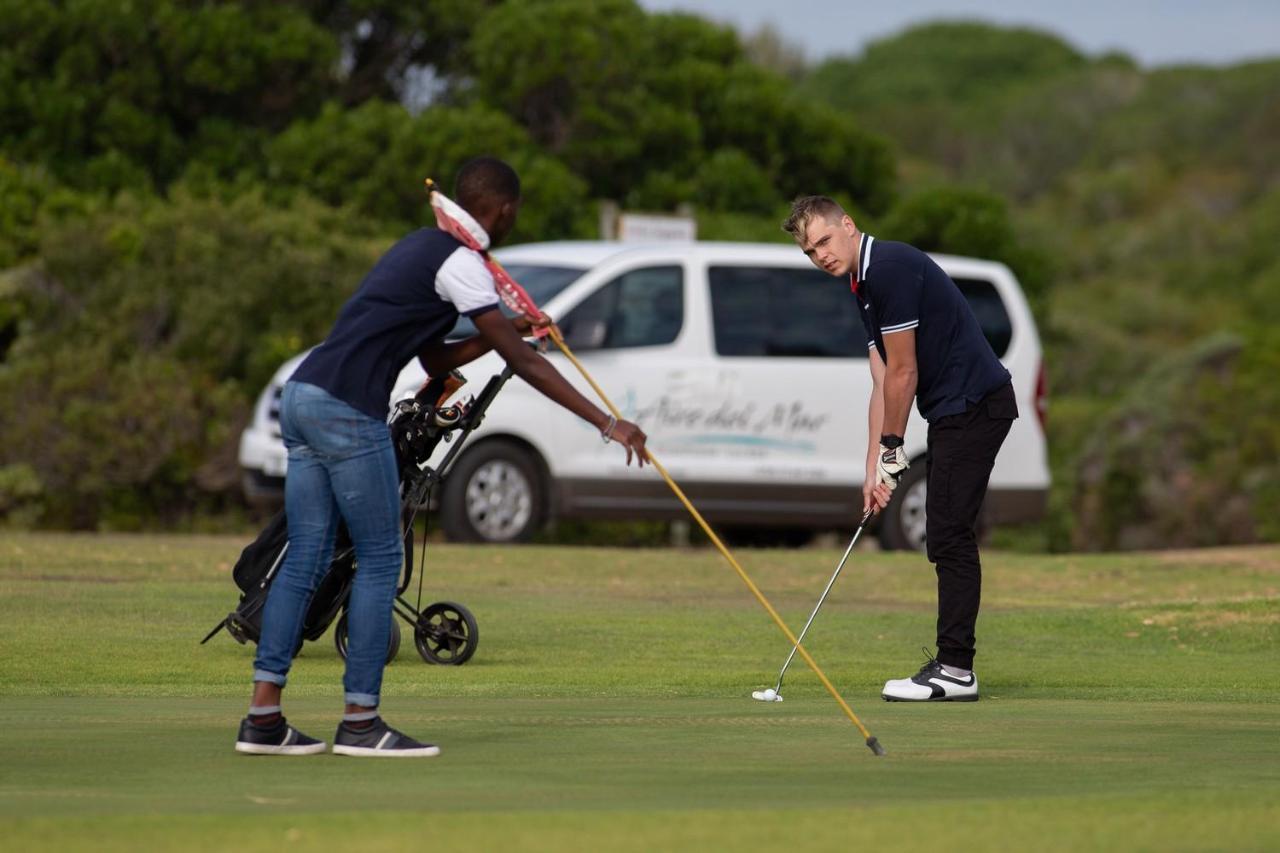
point(773, 694)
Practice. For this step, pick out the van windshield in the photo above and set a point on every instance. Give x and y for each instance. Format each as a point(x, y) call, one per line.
point(540, 282)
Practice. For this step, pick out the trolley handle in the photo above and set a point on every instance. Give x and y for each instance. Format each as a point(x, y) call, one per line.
point(474, 416)
point(475, 412)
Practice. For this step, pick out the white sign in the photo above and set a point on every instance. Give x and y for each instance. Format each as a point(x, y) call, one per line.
point(647, 228)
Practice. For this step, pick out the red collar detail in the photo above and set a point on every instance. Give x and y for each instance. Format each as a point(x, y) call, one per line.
point(853, 282)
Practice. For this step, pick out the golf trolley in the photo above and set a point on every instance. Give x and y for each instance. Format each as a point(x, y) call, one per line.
point(444, 632)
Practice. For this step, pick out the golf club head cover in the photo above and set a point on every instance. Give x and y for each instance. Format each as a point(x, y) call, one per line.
point(452, 383)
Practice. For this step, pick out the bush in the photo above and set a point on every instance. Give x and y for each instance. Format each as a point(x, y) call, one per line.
point(1190, 457)
point(729, 180)
point(146, 330)
point(117, 95)
point(970, 222)
point(374, 158)
point(662, 109)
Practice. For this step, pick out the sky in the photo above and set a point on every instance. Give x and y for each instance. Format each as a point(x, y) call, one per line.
point(1214, 32)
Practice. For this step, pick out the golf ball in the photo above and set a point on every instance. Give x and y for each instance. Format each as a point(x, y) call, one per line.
point(770, 694)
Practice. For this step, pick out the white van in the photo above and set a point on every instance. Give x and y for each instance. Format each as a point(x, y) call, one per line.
point(746, 366)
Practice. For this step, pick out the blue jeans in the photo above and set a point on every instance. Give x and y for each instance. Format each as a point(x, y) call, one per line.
point(342, 467)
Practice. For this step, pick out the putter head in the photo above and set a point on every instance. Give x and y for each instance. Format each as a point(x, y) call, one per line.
point(766, 696)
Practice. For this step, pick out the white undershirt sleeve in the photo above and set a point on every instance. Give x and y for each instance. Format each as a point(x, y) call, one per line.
point(464, 280)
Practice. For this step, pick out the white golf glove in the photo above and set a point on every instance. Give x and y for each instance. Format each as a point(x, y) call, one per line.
point(890, 465)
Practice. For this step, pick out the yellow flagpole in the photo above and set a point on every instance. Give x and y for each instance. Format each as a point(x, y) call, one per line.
point(871, 741)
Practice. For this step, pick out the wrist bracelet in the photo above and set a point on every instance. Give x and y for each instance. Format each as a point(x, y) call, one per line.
point(606, 434)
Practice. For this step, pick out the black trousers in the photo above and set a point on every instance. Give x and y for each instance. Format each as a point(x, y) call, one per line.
point(962, 451)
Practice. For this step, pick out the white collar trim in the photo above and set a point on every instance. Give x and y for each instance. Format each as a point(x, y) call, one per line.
point(864, 255)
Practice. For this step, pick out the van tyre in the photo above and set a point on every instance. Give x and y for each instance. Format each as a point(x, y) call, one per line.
point(496, 492)
point(903, 525)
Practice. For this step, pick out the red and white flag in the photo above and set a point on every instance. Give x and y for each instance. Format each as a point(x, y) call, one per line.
point(450, 217)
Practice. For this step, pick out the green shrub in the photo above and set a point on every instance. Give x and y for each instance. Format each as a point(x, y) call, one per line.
point(1191, 455)
point(374, 158)
point(971, 222)
point(146, 330)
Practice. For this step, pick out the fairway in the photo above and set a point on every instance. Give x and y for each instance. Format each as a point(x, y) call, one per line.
point(1128, 703)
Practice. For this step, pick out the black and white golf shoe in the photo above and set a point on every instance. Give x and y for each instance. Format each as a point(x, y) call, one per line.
point(379, 741)
point(931, 684)
point(277, 739)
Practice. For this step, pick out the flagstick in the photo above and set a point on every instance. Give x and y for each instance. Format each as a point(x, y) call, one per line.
point(510, 284)
point(871, 741)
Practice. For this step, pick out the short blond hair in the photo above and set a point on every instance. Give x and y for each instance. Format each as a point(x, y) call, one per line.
point(807, 207)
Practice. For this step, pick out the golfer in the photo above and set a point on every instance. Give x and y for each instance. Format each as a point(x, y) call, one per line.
point(924, 343)
point(342, 466)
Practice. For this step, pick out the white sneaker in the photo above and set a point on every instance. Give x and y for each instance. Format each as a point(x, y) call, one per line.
point(931, 684)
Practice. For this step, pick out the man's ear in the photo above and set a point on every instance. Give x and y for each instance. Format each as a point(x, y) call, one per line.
point(847, 222)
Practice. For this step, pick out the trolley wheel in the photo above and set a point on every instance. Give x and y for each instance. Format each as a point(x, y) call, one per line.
point(340, 638)
point(446, 633)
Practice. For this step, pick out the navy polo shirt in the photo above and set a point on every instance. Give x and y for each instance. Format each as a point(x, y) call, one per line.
point(411, 298)
point(899, 287)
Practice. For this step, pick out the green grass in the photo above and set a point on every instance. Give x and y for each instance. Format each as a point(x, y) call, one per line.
point(1129, 703)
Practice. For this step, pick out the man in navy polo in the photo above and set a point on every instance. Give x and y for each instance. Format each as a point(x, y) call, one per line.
point(924, 343)
point(342, 465)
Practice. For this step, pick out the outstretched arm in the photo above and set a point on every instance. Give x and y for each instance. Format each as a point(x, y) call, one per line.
point(441, 357)
point(538, 372)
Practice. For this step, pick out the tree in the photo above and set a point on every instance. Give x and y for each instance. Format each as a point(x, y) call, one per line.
point(971, 222)
point(942, 62)
point(145, 330)
point(112, 95)
point(374, 158)
point(385, 43)
point(638, 104)
point(767, 48)
point(569, 71)
point(928, 87)
point(1190, 487)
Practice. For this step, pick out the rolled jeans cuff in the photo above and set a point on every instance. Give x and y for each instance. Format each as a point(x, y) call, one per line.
point(270, 677)
point(364, 700)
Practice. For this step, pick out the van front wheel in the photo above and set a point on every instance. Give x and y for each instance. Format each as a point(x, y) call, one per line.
point(495, 493)
point(903, 525)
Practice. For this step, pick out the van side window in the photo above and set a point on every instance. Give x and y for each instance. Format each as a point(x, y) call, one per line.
point(989, 308)
point(784, 312)
point(641, 308)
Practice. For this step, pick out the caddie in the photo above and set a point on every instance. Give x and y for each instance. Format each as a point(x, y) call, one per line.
point(342, 465)
point(924, 344)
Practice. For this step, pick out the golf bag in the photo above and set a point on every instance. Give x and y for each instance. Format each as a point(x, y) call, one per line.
point(444, 632)
point(257, 567)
